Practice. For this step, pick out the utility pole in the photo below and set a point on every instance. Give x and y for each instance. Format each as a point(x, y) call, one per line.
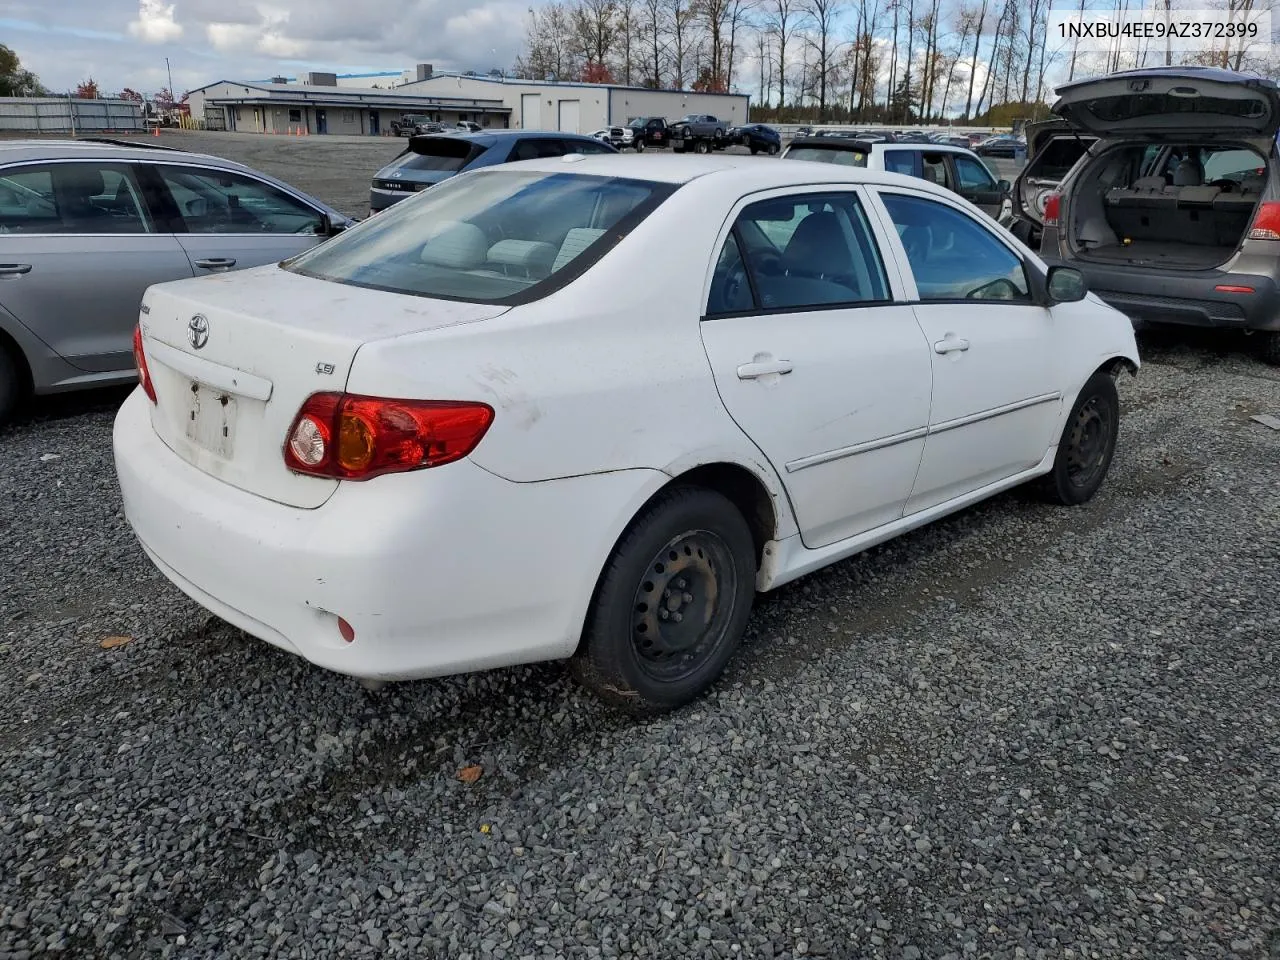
point(170, 72)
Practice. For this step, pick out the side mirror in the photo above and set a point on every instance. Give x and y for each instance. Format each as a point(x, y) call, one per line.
point(330, 227)
point(1066, 285)
point(1005, 187)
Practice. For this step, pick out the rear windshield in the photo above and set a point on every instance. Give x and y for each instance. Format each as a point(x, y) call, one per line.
point(844, 158)
point(437, 153)
point(493, 236)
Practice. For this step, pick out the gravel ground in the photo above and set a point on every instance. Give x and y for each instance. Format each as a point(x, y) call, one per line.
point(1024, 731)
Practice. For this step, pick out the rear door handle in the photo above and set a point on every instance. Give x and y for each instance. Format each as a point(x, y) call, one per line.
point(950, 345)
point(216, 263)
point(14, 269)
point(762, 368)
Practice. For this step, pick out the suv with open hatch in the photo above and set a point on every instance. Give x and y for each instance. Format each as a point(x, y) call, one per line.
point(1174, 214)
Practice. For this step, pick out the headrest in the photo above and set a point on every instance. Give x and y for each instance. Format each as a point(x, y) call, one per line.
point(82, 181)
point(532, 255)
point(456, 244)
point(1188, 174)
point(575, 241)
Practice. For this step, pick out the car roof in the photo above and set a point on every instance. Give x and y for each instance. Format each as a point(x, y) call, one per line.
point(24, 151)
point(751, 173)
point(491, 137)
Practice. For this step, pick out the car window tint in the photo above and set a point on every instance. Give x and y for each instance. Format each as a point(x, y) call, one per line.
point(502, 235)
point(810, 250)
point(537, 149)
point(72, 198)
point(952, 256)
point(1231, 164)
point(730, 289)
point(900, 161)
point(933, 167)
point(586, 146)
point(218, 201)
point(844, 158)
point(973, 175)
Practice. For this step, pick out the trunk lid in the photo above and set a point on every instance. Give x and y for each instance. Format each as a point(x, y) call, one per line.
point(1166, 102)
point(233, 356)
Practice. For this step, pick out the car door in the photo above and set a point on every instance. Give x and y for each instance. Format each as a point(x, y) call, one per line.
point(995, 400)
point(78, 247)
point(226, 220)
point(817, 360)
point(975, 183)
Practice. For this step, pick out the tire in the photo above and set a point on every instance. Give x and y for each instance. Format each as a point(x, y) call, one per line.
point(1270, 348)
point(719, 136)
point(11, 385)
point(1089, 436)
point(702, 146)
point(637, 652)
point(639, 146)
point(773, 149)
point(754, 151)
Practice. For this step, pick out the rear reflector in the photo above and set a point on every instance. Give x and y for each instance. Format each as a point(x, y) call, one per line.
point(1232, 288)
point(345, 630)
point(140, 361)
point(350, 437)
point(1266, 223)
point(1052, 204)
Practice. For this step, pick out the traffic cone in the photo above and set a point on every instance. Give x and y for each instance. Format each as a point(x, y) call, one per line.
point(155, 131)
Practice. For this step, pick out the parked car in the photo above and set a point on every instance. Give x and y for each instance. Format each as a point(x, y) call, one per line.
point(620, 137)
point(757, 137)
point(1175, 213)
point(805, 131)
point(433, 158)
point(648, 132)
point(954, 168)
point(86, 226)
point(1002, 148)
point(372, 450)
point(1054, 148)
point(468, 126)
point(413, 123)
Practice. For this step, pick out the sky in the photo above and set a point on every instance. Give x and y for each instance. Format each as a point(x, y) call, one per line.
point(123, 43)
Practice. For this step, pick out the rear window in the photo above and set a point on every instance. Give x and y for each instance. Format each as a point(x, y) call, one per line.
point(1057, 159)
point(437, 153)
point(844, 158)
point(500, 236)
point(1141, 105)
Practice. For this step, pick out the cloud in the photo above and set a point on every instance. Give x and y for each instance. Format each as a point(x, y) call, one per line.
point(155, 23)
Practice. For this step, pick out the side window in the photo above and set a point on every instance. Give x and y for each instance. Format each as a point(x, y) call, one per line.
point(585, 146)
point(219, 201)
point(972, 174)
point(537, 148)
point(900, 161)
point(801, 251)
point(952, 256)
point(72, 198)
point(933, 167)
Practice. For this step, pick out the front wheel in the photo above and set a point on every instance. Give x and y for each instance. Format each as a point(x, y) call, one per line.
point(639, 146)
point(672, 603)
point(773, 149)
point(1087, 445)
point(702, 147)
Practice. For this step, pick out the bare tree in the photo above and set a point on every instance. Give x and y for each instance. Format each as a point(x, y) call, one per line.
point(713, 16)
point(929, 24)
point(595, 31)
point(680, 19)
point(781, 20)
point(627, 24)
point(739, 10)
point(549, 44)
point(652, 27)
point(823, 15)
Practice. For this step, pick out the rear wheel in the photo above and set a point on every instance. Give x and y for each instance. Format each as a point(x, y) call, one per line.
point(671, 605)
point(702, 147)
point(754, 150)
point(1271, 348)
point(773, 149)
point(1087, 445)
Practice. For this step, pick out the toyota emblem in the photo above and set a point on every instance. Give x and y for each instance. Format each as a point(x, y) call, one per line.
point(198, 331)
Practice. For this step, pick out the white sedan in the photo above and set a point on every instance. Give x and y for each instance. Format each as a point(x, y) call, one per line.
point(440, 442)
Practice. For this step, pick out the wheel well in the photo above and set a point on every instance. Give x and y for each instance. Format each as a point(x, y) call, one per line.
point(10, 346)
point(1117, 365)
point(745, 491)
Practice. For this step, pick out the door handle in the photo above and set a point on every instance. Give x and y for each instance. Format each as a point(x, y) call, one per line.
point(950, 345)
point(14, 269)
point(216, 263)
point(762, 368)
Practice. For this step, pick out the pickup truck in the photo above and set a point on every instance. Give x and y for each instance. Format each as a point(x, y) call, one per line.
point(411, 124)
point(699, 132)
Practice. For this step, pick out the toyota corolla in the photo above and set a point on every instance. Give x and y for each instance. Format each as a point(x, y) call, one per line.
point(439, 443)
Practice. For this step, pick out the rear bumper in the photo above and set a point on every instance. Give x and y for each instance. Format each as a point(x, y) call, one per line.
point(381, 199)
point(1165, 296)
point(438, 571)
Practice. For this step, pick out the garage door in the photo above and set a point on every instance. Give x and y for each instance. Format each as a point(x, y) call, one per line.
point(530, 111)
point(569, 110)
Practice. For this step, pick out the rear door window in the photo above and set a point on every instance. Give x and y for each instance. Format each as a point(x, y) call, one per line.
point(933, 167)
point(901, 161)
point(220, 201)
point(973, 175)
point(88, 197)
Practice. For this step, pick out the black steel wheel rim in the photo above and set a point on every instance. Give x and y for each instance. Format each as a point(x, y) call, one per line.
point(683, 605)
point(1089, 441)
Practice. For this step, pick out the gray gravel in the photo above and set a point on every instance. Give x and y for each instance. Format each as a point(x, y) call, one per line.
point(1025, 731)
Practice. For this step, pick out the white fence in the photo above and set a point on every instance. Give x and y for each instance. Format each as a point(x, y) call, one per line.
point(69, 115)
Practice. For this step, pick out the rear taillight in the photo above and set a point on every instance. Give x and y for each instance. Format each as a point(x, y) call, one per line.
point(352, 437)
point(1266, 223)
point(140, 361)
point(1052, 204)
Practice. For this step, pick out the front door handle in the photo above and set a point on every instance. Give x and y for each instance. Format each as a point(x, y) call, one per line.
point(950, 345)
point(762, 368)
point(14, 269)
point(216, 263)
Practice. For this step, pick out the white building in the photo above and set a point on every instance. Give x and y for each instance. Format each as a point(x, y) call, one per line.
point(581, 107)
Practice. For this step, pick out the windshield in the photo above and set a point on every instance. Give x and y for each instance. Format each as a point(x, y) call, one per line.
point(500, 236)
point(844, 158)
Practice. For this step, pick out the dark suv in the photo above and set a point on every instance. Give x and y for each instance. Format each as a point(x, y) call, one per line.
point(649, 132)
point(435, 157)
